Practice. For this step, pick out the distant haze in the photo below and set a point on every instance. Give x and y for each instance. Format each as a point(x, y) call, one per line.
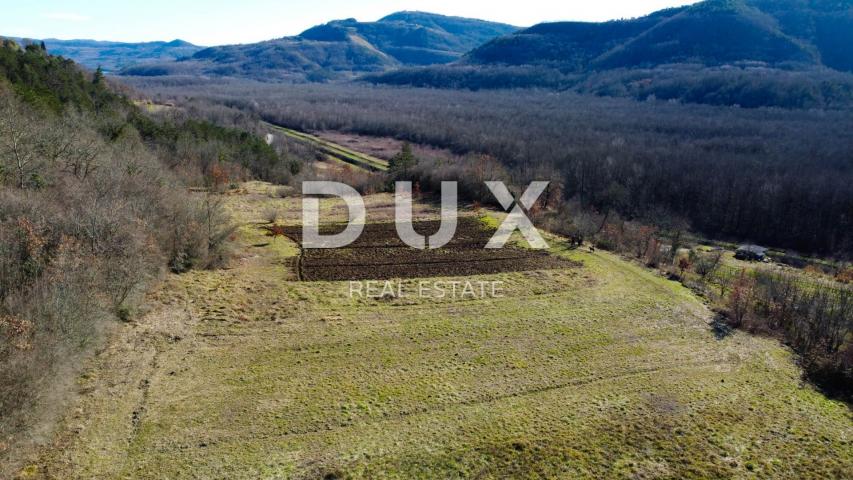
point(218, 22)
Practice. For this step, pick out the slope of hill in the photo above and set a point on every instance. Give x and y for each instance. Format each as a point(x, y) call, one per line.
point(415, 38)
point(711, 33)
point(825, 24)
point(289, 58)
point(565, 44)
point(341, 48)
point(599, 371)
point(746, 52)
point(113, 56)
point(93, 205)
point(714, 32)
point(48, 81)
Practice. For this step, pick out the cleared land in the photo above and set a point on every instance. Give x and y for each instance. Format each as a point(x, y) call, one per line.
point(603, 371)
point(379, 254)
point(335, 151)
point(381, 147)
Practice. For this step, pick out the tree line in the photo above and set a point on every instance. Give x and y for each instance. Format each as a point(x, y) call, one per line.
point(746, 86)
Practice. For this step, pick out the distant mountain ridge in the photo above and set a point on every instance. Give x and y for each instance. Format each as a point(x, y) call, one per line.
point(415, 38)
point(341, 48)
point(114, 56)
point(751, 53)
point(713, 32)
point(788, 53)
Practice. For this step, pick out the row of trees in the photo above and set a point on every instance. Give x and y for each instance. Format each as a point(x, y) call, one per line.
point(814, 317)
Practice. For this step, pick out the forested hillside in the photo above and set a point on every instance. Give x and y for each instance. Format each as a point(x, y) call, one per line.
point(415, 38)
point(93, 206)
point(713, 32)
point(789, 53)
point(49, 82)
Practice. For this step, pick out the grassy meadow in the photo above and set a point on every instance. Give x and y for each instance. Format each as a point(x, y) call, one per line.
point(600, 371)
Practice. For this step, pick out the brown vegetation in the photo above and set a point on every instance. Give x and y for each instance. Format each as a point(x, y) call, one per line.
point(87, 219)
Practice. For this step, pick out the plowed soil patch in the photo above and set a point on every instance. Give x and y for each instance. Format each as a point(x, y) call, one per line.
point(379, 254)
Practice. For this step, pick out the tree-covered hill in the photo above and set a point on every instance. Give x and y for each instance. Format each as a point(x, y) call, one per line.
point(713, 32)
point(786, 53)
point(340, 49)
point(50, 81)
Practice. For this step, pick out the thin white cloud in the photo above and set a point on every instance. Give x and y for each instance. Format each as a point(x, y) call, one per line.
point(67, 17)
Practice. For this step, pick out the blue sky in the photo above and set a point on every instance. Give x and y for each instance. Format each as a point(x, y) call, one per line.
point(216, 22)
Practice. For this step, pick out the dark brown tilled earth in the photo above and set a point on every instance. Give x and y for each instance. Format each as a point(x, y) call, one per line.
point(379, 254)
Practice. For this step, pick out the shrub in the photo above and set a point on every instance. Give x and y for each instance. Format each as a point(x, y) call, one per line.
point(272, 215)
point(124, 314)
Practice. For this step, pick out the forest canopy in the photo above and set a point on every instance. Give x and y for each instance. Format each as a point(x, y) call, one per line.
point(772, 176)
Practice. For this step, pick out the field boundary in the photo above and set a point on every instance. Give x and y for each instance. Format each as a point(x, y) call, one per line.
point(728, 273)
point(367, 162)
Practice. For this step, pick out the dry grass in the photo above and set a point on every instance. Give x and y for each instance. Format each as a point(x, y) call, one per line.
point(603, 371)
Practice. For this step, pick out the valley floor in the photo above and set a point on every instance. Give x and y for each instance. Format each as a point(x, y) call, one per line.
point(604, 371)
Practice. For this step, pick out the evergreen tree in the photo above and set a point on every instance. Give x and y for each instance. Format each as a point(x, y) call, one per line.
point(99, 76)
point(403, 161)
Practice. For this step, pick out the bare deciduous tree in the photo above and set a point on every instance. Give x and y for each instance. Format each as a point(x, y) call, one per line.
point(20, 140)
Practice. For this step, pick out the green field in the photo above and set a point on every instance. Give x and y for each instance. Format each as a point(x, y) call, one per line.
point(602, 371)
point(334, 150)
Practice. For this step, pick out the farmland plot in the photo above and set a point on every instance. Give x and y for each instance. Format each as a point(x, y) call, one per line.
point(380, 254)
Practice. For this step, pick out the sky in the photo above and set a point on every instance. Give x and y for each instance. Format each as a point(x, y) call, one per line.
point(218, 22)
